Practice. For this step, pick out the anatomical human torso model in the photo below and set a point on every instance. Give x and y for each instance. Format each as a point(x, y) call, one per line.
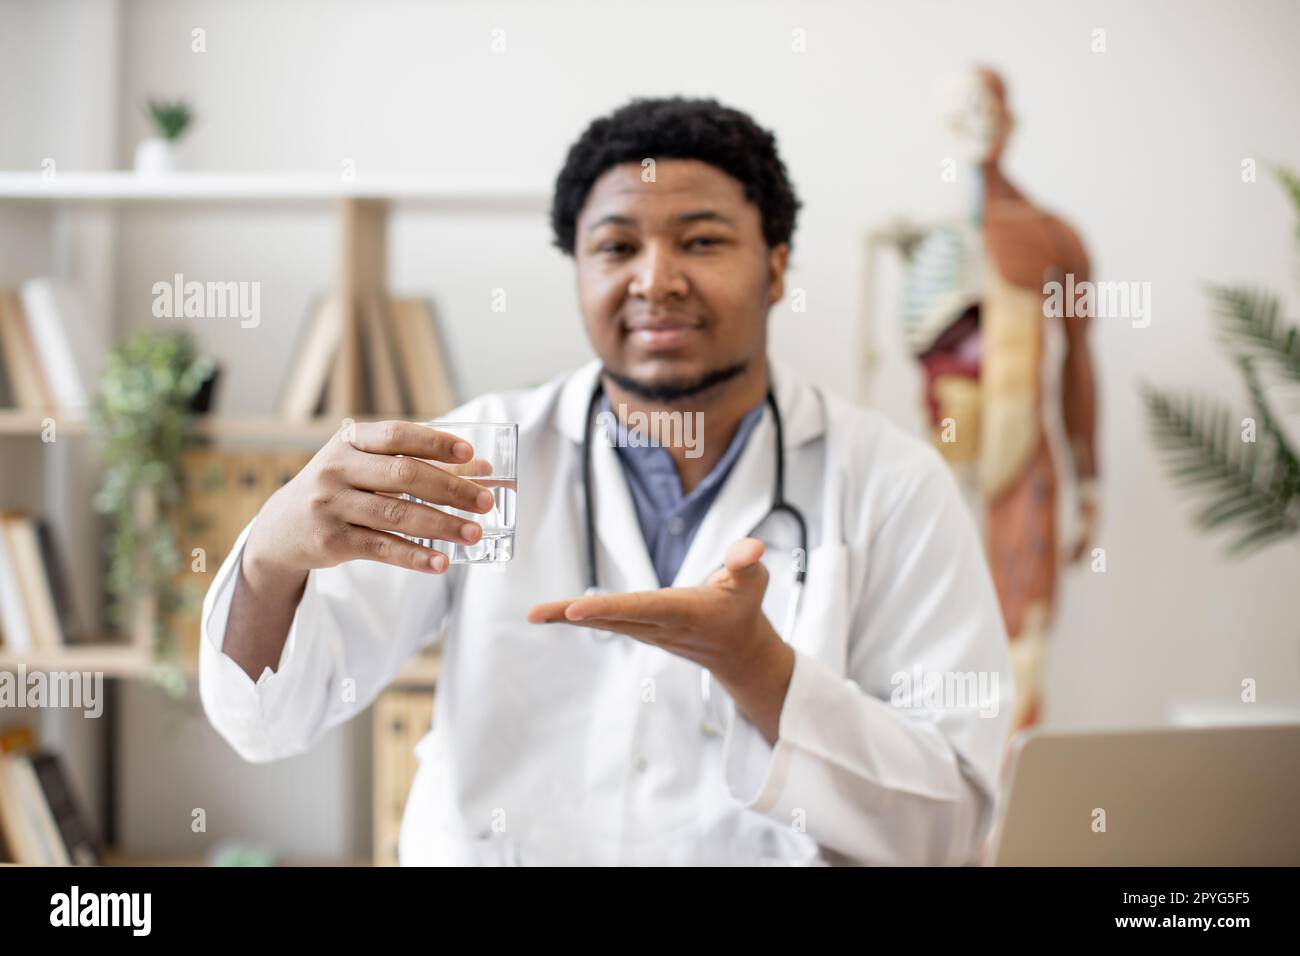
point(973, 316)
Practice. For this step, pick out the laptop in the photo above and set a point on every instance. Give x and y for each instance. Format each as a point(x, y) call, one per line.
point(1203, 796)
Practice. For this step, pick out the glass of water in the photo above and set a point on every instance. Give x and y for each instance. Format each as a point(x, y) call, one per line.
point(494, 466)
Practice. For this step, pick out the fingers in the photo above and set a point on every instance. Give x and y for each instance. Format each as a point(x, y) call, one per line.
point(633, 606)
point(647, 633)
point(667, 607)
point(745, 553)
point(604, 606)
point(478, 468)
point(742, 568)
point(353, 542)
point(374, 472)
point(409, 438)
point(382, 513)
point(553, 612)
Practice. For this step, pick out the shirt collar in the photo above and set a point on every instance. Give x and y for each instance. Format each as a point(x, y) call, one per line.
point(647, 459)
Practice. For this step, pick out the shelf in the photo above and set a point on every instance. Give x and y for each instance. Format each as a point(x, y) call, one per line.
point(17, 422)
point(125, 661)
point(113, 856)
point(114, 660)
point(261, 427)
point(448, 192)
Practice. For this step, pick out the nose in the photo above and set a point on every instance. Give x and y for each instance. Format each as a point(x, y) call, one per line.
point(658, 275)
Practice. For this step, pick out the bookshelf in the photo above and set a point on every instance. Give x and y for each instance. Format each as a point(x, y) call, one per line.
point(122, 660)
point(362, 207)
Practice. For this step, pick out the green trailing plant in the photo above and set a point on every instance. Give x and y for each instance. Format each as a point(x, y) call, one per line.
point(143, 417)
point(1244, 467)
point(171, 118)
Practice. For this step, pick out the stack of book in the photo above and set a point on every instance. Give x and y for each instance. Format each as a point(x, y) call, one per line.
point(44, 338)
point(403, 366)
point(36, 607)
point(40, 822)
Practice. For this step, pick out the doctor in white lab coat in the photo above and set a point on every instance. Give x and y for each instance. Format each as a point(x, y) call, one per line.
point(574, 729)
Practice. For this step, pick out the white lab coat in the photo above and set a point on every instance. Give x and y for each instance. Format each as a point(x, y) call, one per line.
point(552, 746)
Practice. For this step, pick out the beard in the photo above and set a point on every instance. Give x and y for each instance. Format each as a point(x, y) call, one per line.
point(667, 392)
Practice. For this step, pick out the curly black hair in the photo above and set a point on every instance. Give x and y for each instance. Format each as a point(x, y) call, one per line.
point(678, 128)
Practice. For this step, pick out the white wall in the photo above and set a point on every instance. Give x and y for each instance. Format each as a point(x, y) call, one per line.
point(1140, 147)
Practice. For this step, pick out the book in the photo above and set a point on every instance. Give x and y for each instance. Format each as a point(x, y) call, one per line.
point(36, 810)
point(22, 844)
point(48, 329)
point(313, 360)
point(22, 367)
point(426, 371)
point(382, 391)
point(38, 601)
point(7, 397)
point(389, 321)
point(417, 390)
point(60, 583)
point(38, 593)
point(14, 626)
point(70, 825)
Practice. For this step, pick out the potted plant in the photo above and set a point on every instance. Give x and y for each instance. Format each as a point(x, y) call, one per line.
point(143, 415)
point(158, 154)
point(1246, 468)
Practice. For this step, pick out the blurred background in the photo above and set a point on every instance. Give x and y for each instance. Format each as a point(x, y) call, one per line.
point(1158, 145)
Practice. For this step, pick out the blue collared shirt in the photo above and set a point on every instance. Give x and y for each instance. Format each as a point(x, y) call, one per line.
point(668, 518)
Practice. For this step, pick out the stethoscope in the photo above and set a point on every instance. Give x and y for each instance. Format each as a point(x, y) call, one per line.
point(779, 506)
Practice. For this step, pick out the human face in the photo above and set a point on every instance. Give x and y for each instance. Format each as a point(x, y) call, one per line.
point(675, 278)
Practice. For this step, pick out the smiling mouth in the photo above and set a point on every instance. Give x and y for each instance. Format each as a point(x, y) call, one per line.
point(660, 334)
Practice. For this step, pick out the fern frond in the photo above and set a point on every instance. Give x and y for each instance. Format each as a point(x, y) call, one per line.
point(1291, 183)
point(1252, 484)
point(1287, 456)
point(1250, 319)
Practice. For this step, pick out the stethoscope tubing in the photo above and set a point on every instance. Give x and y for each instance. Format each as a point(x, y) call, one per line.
point(779, 504)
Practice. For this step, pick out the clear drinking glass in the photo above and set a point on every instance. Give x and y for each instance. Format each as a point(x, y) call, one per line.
point(496, 448)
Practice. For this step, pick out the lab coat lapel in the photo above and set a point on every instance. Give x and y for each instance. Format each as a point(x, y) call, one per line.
point(617, 529)
point(746, 495)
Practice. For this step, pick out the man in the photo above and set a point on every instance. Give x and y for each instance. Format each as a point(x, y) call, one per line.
point(663, 719)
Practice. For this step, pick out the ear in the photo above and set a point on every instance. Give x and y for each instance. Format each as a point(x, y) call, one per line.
point(777, 258)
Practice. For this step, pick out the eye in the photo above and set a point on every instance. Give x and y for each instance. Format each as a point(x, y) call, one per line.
point(704, 242)
point(615, 248)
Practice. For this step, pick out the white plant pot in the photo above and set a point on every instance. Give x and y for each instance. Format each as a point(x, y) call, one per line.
point(154, 157)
